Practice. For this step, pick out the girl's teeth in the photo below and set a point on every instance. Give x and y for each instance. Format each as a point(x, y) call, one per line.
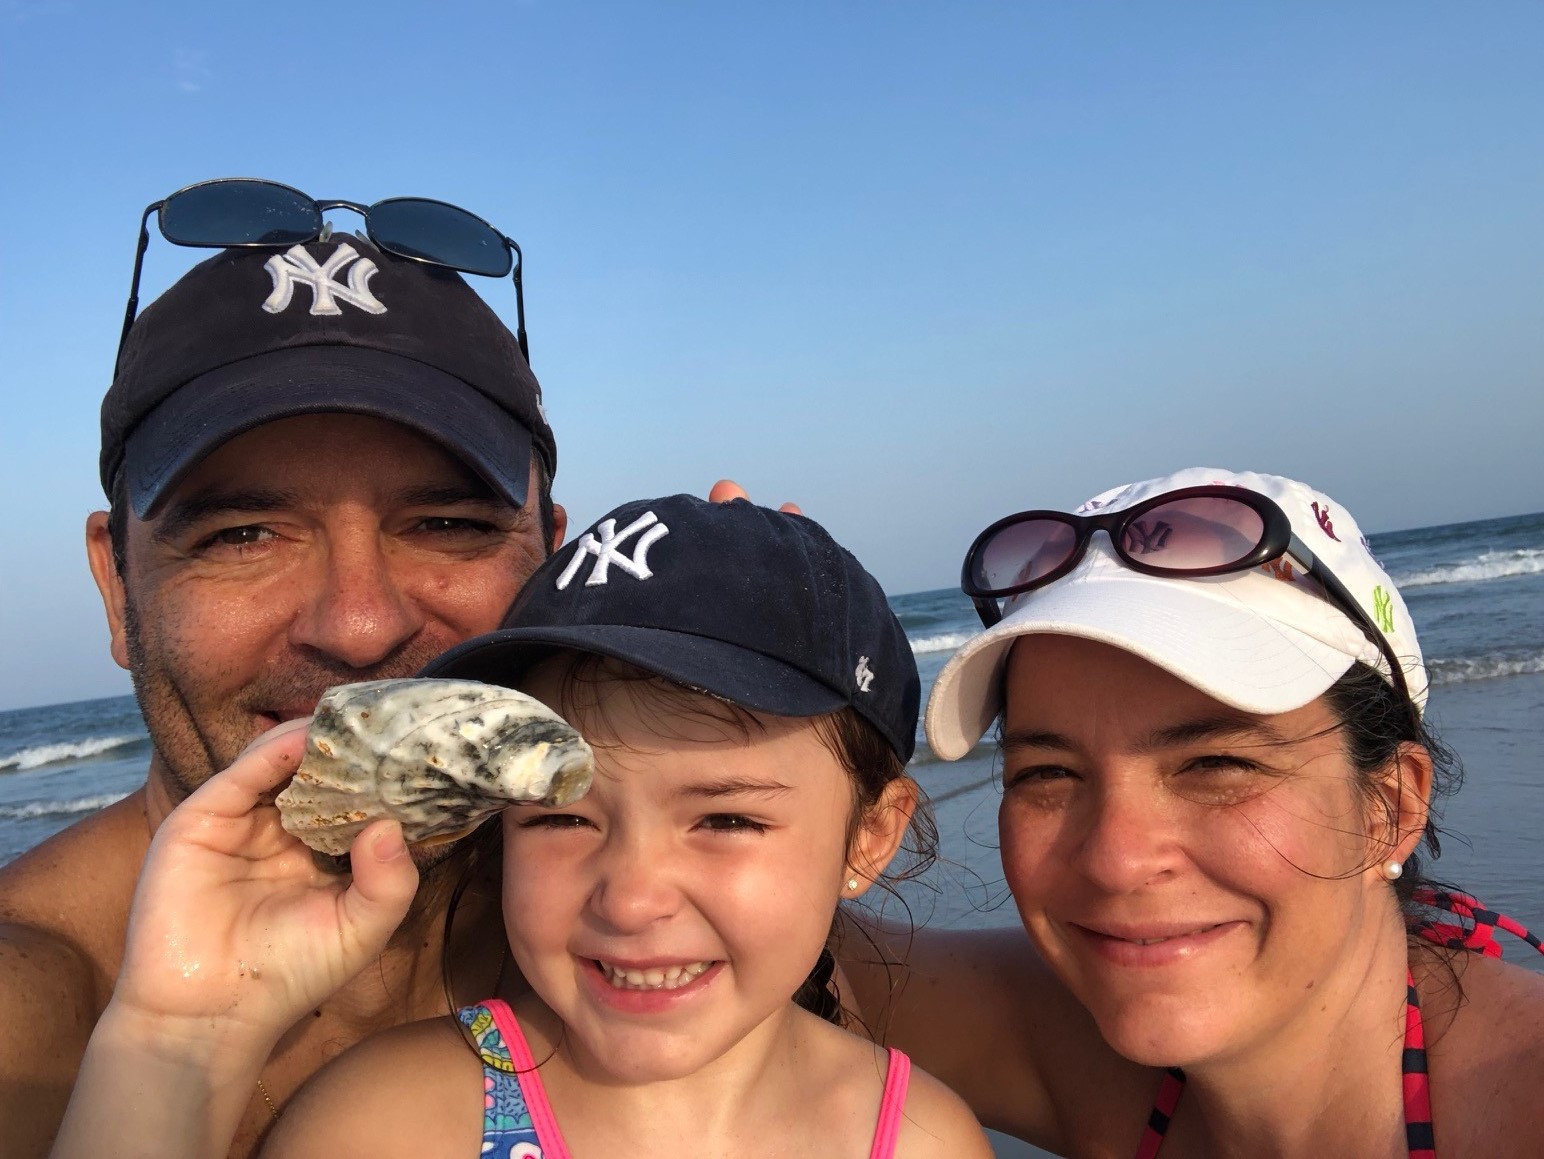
point(669, 978)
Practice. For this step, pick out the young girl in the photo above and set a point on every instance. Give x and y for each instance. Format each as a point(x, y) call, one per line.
point(751, 702)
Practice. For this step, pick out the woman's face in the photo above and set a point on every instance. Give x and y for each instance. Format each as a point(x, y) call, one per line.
point(1191, 872)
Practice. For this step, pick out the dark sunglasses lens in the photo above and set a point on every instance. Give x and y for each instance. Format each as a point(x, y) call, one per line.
point(223, 213)
point(432, 231)
point(1021, 553)
point(1194, 534)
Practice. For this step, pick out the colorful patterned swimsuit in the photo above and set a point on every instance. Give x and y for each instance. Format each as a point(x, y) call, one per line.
point(518, 1122)
point(1480, 937)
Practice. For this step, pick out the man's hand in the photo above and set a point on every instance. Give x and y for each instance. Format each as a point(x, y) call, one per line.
point(726, 489)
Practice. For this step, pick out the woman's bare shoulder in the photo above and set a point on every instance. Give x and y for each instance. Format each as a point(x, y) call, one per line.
point(413, 1090)
point(937, 1122)
point(1487, 1060)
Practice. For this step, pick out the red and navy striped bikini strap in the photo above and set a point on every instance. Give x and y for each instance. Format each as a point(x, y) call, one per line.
point(1480, 935)
point(1170, 1088)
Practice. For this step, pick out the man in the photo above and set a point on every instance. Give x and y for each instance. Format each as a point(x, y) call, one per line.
point(311, 482)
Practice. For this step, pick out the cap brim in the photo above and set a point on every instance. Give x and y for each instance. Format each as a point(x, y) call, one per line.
point(217, 406)
point(1186, 627)
point(747, 678)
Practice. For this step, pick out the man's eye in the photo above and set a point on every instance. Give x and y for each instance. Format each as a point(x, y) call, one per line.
point(731, 823)
point(247, 535)
point(455, 525)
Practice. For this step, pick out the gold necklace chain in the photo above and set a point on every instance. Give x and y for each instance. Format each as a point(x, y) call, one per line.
point(267, 1098)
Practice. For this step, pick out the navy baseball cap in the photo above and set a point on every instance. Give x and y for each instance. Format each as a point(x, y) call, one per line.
point(255, 335)
point(755, 606)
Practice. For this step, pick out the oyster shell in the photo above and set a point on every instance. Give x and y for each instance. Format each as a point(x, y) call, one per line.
point(437, 755)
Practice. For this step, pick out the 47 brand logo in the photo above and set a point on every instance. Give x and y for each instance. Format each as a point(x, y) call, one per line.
point(605, 550)
point(297, 265)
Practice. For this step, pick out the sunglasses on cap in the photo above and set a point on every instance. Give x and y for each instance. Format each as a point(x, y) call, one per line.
point(246, 212)
point(1189, 533)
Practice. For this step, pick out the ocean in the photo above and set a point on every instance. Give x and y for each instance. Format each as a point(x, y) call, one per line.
point(1476, 591)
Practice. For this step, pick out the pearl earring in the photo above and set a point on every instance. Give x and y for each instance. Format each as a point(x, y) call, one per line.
point(1392, 870)
point(852, 883)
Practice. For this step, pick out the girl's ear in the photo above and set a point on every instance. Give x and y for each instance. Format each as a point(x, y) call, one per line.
point(879, 835)
point(1405, 791)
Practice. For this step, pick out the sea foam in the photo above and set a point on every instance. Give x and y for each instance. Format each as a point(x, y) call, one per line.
point(1491, 565)
point(67, 808)
point(947, 642)
point(1461, 669)
point(53, 754)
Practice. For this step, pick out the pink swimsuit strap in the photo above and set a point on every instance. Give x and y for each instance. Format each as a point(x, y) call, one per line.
point(892, 1104)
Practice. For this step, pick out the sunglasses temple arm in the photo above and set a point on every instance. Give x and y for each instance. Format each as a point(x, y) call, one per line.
point(988, 611)
point(519, 299)
point(132, 309)
point(1327, 579)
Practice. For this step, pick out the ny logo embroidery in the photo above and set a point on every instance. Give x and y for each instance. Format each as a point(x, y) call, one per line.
point(1280, 568)
point(1323, 516)
point(1144, 539)
point(297, 265)
point(605, 550)
point(1383, 608)
point(863, 674)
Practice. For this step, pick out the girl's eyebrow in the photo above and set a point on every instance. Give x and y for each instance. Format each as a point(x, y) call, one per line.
point(734, 787)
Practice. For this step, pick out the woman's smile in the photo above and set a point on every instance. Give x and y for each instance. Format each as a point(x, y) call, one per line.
point(1151, 944)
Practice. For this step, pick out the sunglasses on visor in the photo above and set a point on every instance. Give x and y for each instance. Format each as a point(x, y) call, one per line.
point(239, 212)
point(1192, 532)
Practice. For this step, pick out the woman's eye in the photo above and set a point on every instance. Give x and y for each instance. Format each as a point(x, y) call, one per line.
point(1036, 775)
point(1221, 779)
point(731, 823)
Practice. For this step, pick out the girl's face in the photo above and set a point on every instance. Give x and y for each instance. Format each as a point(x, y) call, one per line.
point(1190, 871)
point(674, 910)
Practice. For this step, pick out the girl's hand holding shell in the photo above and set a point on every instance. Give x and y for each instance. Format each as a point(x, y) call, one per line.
point(234, 928)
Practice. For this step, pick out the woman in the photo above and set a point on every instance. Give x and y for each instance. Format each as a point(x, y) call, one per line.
point(1217, 791)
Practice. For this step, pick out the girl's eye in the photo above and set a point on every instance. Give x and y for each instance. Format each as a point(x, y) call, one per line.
point(731, 823)
point(555, 821)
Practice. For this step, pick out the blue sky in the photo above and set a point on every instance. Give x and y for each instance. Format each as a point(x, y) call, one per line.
point(915, 264)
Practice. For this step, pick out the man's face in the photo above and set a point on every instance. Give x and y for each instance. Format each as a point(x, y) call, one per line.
point(313, 551)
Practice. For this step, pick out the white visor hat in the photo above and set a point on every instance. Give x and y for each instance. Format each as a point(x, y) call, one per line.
point(1266, 640)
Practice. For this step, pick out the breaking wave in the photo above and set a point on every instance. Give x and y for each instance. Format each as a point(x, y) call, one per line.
point(947, 642)
point(52, 754)
point(1491, 565)
point(60, 808)
point(1464, 668)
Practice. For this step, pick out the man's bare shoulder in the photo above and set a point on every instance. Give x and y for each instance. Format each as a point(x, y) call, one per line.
point(63, 907)
point(80, 882)
point(413, 1090)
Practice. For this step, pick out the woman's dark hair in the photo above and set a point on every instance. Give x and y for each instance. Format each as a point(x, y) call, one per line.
point(871, 765)
point(1375, 722)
